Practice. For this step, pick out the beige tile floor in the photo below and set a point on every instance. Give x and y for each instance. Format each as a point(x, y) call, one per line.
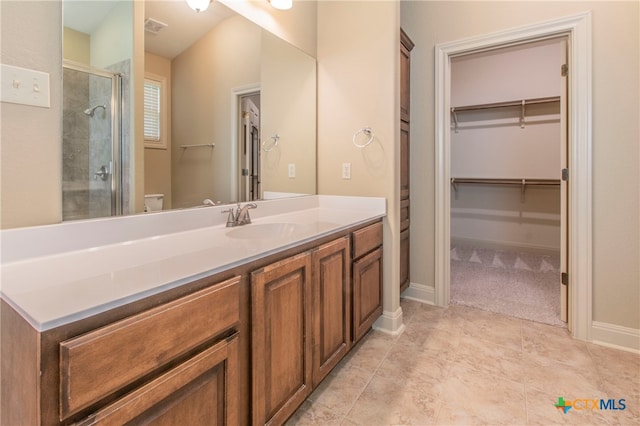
point(470, 367)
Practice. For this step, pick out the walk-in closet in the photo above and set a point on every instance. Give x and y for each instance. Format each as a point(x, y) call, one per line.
point(508, 150)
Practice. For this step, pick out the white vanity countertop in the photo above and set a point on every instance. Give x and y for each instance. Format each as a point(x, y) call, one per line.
point(58, 274)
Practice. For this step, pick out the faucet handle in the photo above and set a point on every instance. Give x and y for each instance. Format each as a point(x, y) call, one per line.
point(231, 220)
point(243, 214)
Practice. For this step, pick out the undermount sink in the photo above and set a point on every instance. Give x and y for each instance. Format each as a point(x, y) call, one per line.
point(265, 231)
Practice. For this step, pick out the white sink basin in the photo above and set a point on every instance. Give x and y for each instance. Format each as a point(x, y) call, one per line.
point(265, 231)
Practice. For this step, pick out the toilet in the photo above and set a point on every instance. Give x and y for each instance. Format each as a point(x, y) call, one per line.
point(153, 202)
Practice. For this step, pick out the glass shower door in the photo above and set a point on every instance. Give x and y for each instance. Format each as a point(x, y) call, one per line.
point(90, 143)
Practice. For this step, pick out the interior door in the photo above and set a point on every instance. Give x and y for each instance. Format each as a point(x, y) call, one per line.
point(250, 151)
point(564, 190)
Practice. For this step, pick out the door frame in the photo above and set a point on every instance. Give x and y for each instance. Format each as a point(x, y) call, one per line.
point(237, 93)
point(578, 29)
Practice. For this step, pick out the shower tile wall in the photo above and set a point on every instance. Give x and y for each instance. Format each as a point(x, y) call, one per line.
point(87, 143)
point(75, 149)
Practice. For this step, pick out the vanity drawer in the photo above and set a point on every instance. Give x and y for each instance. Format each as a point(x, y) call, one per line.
point(367, 239)
point(96, 364)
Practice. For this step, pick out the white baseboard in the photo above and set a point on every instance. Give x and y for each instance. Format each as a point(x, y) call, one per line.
point(420, 293)
point(615, 336)
point(390, 322)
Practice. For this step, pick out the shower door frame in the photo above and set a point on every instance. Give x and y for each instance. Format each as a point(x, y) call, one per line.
point(116, 128)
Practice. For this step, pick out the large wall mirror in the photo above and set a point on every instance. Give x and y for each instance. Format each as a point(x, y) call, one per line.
point(230, 110)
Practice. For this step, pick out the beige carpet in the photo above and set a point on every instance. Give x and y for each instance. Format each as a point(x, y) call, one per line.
point(517, 283)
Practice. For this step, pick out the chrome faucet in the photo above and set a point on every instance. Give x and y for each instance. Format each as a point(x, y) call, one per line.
point(240, 216)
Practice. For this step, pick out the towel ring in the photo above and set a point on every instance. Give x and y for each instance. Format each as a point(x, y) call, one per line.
point(367, 131)
point(275, 139)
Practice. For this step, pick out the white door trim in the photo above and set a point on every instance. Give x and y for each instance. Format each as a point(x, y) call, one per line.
point(578, 28)
point(236, 120)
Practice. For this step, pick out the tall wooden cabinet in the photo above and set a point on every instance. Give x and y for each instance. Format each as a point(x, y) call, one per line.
point(406, 45)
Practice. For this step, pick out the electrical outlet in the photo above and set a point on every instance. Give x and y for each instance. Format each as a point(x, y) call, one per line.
point(292, 170)
point(346, 170)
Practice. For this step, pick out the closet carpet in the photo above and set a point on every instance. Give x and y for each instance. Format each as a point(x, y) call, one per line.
point(520, 284)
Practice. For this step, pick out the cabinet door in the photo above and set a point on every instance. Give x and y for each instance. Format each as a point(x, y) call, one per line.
point(367, 292)
point(406, 45)
point(331, 306)
point(405, 65)
point(201, 391)
point(281, 338)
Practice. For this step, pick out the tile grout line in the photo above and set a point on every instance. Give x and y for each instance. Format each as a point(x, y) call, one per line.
point(395, 340)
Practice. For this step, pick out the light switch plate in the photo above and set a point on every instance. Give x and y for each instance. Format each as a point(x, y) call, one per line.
point(24, 86)
point(292, 170)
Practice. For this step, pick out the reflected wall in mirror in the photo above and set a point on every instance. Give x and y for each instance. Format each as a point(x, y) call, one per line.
point(236, 119)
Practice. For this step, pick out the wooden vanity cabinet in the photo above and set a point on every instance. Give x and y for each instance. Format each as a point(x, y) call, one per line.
point(171, 358)
point(367, 278)
point(200, 391)
point(176, 361)
point(281, 338)
point(301, 327)
point(331, 306)
point(243, 346)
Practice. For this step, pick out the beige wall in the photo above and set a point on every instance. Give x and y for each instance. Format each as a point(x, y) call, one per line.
point(77, 46)
point(157, 162)
point(359, 86)
point(31, 156)
point(287, 108)
point(296, 25)
point(616, 107)
point(203, 77)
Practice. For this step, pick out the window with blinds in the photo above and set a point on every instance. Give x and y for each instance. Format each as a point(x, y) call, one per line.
point(153, 113)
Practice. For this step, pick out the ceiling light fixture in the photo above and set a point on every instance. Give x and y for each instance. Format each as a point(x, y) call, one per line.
point(281, 4)
point(199, 5)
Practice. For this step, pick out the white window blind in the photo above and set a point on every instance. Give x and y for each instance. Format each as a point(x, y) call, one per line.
point(152, 118)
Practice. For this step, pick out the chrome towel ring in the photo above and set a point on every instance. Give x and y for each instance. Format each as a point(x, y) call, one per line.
point(367, 132)
point(275, 139)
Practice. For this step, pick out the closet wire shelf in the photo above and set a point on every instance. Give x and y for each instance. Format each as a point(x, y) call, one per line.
point(509, 104)
point(500, 181)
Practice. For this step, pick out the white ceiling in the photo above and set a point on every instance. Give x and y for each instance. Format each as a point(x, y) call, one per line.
point(184, 25)
point(86, 15)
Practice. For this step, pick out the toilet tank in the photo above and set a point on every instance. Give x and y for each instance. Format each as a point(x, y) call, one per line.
point(153, 202)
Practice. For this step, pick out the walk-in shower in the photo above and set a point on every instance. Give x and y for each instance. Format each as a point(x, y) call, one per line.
point(92, 143)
